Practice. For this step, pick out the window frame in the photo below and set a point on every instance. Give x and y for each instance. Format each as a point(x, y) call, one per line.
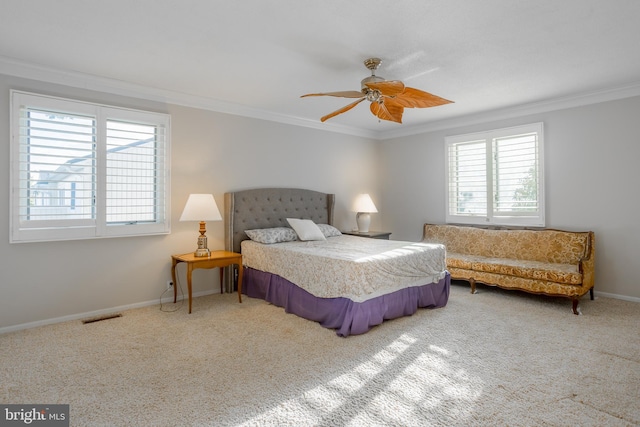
point(491, 216)
point(96, 227)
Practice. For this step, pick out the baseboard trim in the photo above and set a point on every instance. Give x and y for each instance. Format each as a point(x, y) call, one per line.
point(105, 311)
point(616, 296)
point(95, 313)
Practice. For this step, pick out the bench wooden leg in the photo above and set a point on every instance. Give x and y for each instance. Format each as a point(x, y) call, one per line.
point(591, 293)
point(472, 282)
point(575, 306)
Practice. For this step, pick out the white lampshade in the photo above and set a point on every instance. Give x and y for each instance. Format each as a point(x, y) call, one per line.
point(363, 203)
point(201, 207)
point(364, 206)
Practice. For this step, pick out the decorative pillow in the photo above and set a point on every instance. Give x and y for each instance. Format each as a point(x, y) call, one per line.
point(329, 230)
point(272, 235)
point(306, 229)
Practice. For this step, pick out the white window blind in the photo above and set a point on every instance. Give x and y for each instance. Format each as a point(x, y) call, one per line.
point(82, 170)
point(469, 178)
point(132, 178)
point(56, 168)
point(496, 177)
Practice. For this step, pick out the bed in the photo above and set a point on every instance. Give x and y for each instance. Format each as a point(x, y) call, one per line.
point(346, 283)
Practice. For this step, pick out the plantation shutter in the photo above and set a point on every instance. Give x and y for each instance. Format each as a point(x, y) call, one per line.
point(496, 177)
point(515, 171)
point(468, 178)
point(81, 170)
point(134, 187)
point(57, 166)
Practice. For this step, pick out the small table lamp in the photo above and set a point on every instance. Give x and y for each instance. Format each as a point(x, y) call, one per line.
point(201, 207)
point(364, 205)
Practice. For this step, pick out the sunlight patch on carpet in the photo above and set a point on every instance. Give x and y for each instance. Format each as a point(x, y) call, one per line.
point(416, 382)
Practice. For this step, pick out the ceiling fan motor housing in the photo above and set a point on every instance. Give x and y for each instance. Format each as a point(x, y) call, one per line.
point(372, 64)
point(372, 95)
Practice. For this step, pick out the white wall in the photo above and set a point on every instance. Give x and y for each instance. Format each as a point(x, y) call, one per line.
point(212, 153)
point(591, 173)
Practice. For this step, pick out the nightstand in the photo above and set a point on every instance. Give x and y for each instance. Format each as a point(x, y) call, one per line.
point(218, 259)
point(370, 234)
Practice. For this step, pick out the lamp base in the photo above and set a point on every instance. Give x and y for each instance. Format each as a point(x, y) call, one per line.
point(202, 252)
point(363, 219)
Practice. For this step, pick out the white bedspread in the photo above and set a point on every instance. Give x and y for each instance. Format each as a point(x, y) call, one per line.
point(348, 266)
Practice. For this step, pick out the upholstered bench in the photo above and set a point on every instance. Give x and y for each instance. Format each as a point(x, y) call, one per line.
point(549, 262)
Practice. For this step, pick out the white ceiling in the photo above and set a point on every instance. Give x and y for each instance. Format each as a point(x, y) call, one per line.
point(256, 57)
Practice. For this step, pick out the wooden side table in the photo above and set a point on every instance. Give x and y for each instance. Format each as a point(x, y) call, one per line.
point(218, 259)
point(370, 234)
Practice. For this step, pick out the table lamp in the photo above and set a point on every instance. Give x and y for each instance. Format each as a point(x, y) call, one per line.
point(364, 206)
point(201, 207)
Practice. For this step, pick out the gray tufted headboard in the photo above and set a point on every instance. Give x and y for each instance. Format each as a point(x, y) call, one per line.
point(270, 207)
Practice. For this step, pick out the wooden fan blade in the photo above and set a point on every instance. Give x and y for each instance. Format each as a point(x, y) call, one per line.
point(387, 88)
point(343, 94)
point(342, 110)
point(388, 110)
point(416, 98)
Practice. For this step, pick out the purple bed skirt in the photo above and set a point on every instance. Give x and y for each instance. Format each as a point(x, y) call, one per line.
point(346, 316)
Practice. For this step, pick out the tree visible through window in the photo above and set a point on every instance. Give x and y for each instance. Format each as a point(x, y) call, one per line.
point(525, 196)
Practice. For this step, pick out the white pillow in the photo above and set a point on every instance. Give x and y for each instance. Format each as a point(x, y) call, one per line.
point(306, 229)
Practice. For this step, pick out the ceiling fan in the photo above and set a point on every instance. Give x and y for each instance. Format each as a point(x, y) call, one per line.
point(388, 98)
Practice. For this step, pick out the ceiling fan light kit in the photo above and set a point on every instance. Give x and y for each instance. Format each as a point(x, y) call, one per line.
point(388, 98)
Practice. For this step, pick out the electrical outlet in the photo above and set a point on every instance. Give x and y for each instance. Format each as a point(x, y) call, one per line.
point(169, 284)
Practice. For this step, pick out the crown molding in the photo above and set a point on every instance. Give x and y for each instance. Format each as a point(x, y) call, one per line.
point(18, 68)
point(572, 101)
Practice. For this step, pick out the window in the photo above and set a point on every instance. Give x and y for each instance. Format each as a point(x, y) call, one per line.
point(496, 177)
point(82, 170)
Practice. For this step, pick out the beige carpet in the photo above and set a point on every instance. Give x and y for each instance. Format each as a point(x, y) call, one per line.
point(494, 358)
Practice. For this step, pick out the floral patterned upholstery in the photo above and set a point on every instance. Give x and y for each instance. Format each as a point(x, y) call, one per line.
point(551, 262)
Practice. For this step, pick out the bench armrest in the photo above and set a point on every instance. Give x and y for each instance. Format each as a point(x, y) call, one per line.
point(587, 264)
